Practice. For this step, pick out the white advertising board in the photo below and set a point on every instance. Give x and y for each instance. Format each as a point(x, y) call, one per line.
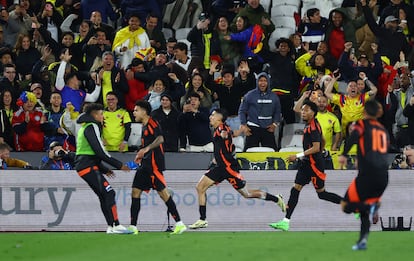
point(62, 201)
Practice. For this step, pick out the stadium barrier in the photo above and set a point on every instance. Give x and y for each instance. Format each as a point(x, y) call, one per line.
point(62, 201)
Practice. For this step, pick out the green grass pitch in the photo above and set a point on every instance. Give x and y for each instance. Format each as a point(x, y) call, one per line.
point(211, 246)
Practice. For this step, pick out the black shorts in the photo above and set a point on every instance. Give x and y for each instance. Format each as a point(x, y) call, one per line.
point(218, 174)
point(366, 189)
point(310, 172)
point(146, 179)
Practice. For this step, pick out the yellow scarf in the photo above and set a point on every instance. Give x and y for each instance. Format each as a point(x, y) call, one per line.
point(124, 34)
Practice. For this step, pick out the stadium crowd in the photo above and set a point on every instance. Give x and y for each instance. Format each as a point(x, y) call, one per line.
point(57, 56)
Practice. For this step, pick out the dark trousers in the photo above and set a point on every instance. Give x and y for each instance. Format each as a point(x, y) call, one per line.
point(105, 193)
point(260, 137)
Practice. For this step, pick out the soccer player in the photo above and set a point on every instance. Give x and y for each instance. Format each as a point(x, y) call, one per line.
point(226, 167)
point(149, 175)
point(311, 165)
point(90, 153)
point(364, 192)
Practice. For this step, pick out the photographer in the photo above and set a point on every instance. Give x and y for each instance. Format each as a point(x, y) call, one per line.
point(57, 158)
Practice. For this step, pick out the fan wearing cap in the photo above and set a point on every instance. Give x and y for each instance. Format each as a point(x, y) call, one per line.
point(204, 41)
point(37, 90)
point(29, 124)
point(391, 41)
point(350, 69)
point(57, 158)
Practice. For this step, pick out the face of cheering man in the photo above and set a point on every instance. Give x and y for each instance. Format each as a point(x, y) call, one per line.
point(140, 114)
point(262, 84)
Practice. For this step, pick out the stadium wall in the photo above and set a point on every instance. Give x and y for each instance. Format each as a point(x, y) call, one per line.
point(62, 201)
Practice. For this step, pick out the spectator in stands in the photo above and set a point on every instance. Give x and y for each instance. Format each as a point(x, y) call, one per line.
point(250, 36)
point(41, 74)
point(53, 115)
point(2, 43)
point(406, 27)
point(403, 94)
point(256, 14)
point(393, 8)
point(26, 57)
point(260, 115)
point(330, 124)
point(167, 116)
point(96, 23)
point(96, 47)
point(29, 125)
point(6, 161)
point(188, 63)
point(284, 78)
point(171, 42)
point(330, 61)
point(57, 158)
point(310, 66)
point(204, 41)
point(225, 9)
point(298, 48)
point(9, 81)
point(245, 77)
point(116, 125)
point(155, 35)
point(37, 90)
point(5, 57)
point(129, 40)
point(228, 49)
point(112, 79)
point(11, 27)
point(228, 93)
point(69, 84)
point(137, 89)
point(7, 108)
point(104, 7)
point(154, 94)
point(21, 16)
point(341, 29)
point(196, 85)
point(409, 113)
point(194, 126)
point(409, 153)
point(349, 70)
point(313, 27)
point(352, 103)
point(390, 40)
point(50, 20)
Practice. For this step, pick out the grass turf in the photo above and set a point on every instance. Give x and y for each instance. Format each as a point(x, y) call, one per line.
point(204, 246)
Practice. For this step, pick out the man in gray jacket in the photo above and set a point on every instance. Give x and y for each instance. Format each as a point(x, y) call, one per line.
point(260, 114)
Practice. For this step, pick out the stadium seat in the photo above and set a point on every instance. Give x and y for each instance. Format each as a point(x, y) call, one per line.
point(266, 5)
point(260, 149)
point(291, 141)
point(181, 34)
point(286, 2)
point(291, 149)
point(167, 33)
point(293, 128)
point(239, 143)
point(284, 10)
point(284, 21)
point(135, 137)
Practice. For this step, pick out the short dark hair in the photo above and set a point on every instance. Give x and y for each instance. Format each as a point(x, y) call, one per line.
point(223, 112)
point(70, 76)
point(112, 93)
point(171, 40)
point(371, 108)
point(68, 33)
point(311, 12)
point(312, 106)
point(144, 105)
point(93, 107)
point(194, 94)
point(181, 46)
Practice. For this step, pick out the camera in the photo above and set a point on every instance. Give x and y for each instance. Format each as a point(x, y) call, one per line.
point(59, 153)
